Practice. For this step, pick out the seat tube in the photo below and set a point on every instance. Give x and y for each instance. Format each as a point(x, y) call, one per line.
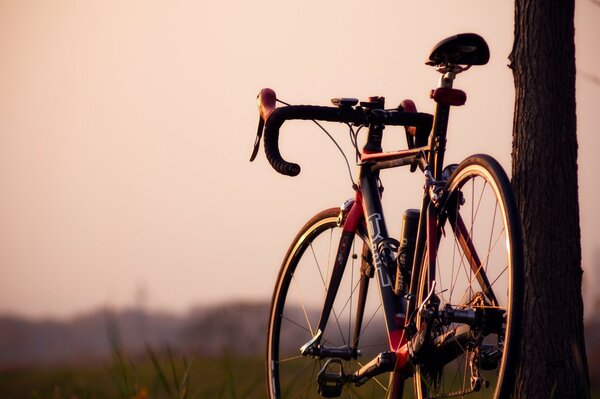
point(437, 141)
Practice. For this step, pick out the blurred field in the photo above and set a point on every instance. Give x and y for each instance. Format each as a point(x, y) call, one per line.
point(215, 378)
point(221, 377)
point(202, 363)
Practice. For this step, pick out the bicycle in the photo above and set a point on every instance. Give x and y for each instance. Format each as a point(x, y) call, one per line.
point(450, 290)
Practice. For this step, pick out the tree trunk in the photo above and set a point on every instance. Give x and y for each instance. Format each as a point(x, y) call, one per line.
point(553, 362)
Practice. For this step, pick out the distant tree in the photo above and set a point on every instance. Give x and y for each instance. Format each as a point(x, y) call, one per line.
point(553, 358)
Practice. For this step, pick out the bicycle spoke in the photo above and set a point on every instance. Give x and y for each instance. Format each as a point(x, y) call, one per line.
point(370, 320)
point(479, 270)
point(487, 258)
point(374, 378)
point(500, 275)
point(462, 265)
point(330, 246)
point(379, 345)
point(348, 301)
point(323, 278)
point(288, 359)
point(303, 307)
point(464, 383)
point(380, 384)
point(297, 324)
point(312, 379)
point(299, 373)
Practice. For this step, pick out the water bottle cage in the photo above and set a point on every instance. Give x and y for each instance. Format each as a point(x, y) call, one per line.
point(387, 249)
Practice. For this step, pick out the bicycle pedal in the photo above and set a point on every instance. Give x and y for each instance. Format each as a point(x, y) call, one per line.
point(331, 380)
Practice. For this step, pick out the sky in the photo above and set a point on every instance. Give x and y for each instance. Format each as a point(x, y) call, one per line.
point(126, 128)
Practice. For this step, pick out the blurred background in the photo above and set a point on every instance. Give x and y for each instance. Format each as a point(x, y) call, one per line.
point(125, 133)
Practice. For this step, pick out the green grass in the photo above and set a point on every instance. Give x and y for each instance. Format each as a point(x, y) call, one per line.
point(164, 376)
point(60, 382)
point(153, 375)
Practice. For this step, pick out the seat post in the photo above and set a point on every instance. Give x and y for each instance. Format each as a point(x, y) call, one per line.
point(447, 79)
point(449, 72)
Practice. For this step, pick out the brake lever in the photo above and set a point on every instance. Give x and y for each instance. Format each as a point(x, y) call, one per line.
point(259, 133)
point(266, 105)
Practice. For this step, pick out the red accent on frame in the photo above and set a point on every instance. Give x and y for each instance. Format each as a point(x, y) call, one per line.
point(355, 215)
point(403, 368)
point(403, 365)
point(266, 103)
point(396, 338)
point(444, 95)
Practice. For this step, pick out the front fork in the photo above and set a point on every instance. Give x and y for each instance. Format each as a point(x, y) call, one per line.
point(351, 218)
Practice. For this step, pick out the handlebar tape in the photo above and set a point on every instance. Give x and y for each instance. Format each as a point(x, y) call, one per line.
point(303, 112)
point(329, 114)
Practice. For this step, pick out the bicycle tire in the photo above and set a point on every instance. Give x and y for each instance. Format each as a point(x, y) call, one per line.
point(480, 192)
point(294, 313)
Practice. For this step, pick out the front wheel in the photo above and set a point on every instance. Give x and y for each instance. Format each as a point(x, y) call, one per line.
point(478, 291)
point(297, 304)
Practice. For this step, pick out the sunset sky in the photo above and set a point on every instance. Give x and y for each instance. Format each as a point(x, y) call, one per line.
point(126, 128)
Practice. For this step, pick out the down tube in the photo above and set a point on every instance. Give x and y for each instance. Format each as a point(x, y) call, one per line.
point(392, 305)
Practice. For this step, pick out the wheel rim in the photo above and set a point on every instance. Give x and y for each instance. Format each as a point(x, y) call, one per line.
point(296, 312)
point(486, 220)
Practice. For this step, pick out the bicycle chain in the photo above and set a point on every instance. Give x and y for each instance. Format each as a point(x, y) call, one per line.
point(452, 394)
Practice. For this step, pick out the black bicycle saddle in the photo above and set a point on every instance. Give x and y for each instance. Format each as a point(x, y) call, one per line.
point(461, 49)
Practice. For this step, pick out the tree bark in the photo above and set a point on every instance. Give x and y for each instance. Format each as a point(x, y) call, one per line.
point(553, 362)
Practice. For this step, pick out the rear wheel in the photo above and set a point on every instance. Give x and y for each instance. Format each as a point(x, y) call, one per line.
point(473, 345)
point(296, 308)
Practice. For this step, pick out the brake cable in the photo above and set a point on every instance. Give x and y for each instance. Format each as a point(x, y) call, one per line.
point(354, 185)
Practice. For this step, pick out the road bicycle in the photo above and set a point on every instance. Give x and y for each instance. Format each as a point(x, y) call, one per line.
point(448, 309)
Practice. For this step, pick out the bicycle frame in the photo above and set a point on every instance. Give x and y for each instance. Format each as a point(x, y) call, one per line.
point(366, 211)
